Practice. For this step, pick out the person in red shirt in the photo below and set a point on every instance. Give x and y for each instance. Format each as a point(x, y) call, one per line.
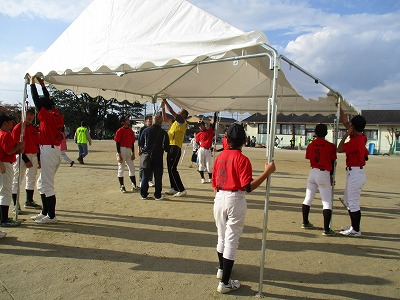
point(8, 148)
point(232, 178)
point(224, 141)
point(356, 155)
point(50, 137)
point(125, 143)
point(30, 159)
point(205, 139)
point(322, 156)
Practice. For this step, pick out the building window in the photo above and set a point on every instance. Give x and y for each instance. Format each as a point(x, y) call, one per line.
point(262, 128)
point(371, 134)
point(300, 130)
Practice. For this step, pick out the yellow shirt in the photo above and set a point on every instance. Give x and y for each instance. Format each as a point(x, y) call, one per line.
point(176, 134)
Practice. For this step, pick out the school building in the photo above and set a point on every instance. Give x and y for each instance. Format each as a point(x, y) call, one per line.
point(383, 129)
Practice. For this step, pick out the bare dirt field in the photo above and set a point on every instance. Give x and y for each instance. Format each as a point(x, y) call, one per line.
point(109, 245)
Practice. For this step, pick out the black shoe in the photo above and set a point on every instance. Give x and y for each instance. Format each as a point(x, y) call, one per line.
point(71, 164)
point(33, 205)
point(122, 189)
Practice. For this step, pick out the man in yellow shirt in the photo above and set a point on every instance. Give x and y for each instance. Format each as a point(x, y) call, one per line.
point(82, 138)
point(176, 134)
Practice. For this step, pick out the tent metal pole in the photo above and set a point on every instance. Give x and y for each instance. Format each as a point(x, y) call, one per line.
point(21, 139)
point(271, 138)
point(335, 141)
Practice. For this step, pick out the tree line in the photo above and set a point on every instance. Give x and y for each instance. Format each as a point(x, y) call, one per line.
point(101, 115)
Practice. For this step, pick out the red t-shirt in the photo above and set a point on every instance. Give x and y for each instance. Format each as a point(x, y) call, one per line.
point(6, 145)
point(205, 138)
point(125, 137)
point(225, 143)
point(51, 124)
point(321, 153)
point(31, 137)
point(355, 151)
point(232, 171)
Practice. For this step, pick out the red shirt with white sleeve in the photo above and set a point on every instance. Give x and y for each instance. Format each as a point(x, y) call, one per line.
point(356, 151)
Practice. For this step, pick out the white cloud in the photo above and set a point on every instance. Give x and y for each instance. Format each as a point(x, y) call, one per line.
point(13, 73)
point(66, 10)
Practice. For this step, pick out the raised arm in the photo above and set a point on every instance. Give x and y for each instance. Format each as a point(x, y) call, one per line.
point(344, 118)
point(164, 114)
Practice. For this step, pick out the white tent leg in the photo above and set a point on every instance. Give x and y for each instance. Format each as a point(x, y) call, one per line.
point(272, 102)
point(21, 139)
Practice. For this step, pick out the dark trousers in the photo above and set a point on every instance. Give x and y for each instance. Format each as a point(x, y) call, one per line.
point(173, 156)
point(157, 172)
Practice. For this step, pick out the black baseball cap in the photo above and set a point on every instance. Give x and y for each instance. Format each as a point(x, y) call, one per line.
point(236, 132)
point(123, 119)
point(5, 118)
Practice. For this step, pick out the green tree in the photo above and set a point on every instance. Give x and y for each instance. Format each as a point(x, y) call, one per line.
point(97, 112)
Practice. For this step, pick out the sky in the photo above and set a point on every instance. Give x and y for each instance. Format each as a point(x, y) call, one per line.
point(353, 46)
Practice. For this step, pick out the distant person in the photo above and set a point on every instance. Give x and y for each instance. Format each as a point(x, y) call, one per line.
point(205, 140)
point(147, 123)
point(82, 138)
point(154, 141)
point(8, 148)
point(224, 141)
point(356, 155)
point(195, 146)
point(50, 137)
point(176, 134)
point(232, 178)
point(299, 142)
point(292, 142)
point(322, 156)
point(63, 148)
point(125, 143)
point(30, 162)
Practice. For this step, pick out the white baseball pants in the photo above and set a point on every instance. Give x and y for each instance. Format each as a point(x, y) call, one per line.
point(5, 185)
point(229, 214)
point(320, 180)
point(355, 180)
point(50, 159)
point(30, 173)
point(204, 157)
point(126, 154)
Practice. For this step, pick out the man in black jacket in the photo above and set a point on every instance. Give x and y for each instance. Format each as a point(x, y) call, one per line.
point(153, 142)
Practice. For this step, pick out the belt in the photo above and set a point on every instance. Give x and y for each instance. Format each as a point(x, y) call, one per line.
point(350, 168)
point(206, 148)
point(228, 190)
point(52, 146)
point(319, 169)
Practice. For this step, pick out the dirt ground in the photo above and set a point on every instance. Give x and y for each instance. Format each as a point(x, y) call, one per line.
point(109, 245)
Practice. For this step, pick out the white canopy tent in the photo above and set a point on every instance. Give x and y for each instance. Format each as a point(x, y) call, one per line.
point(146, 50)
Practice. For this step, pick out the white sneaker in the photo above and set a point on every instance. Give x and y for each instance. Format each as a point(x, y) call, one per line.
point(231, 286)
point(47, 220)
point(3, 234)
point(220, 272)
point(351, 232)
point(203, 180)
point(345, 228)
point(38, 217)
point(158, 199)
point(171, 192)
point(209, 180)
point(180, 194)
point(151, 183)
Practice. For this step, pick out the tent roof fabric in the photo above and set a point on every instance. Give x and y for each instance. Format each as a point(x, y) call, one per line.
point(292, 119)
point(145, 50)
